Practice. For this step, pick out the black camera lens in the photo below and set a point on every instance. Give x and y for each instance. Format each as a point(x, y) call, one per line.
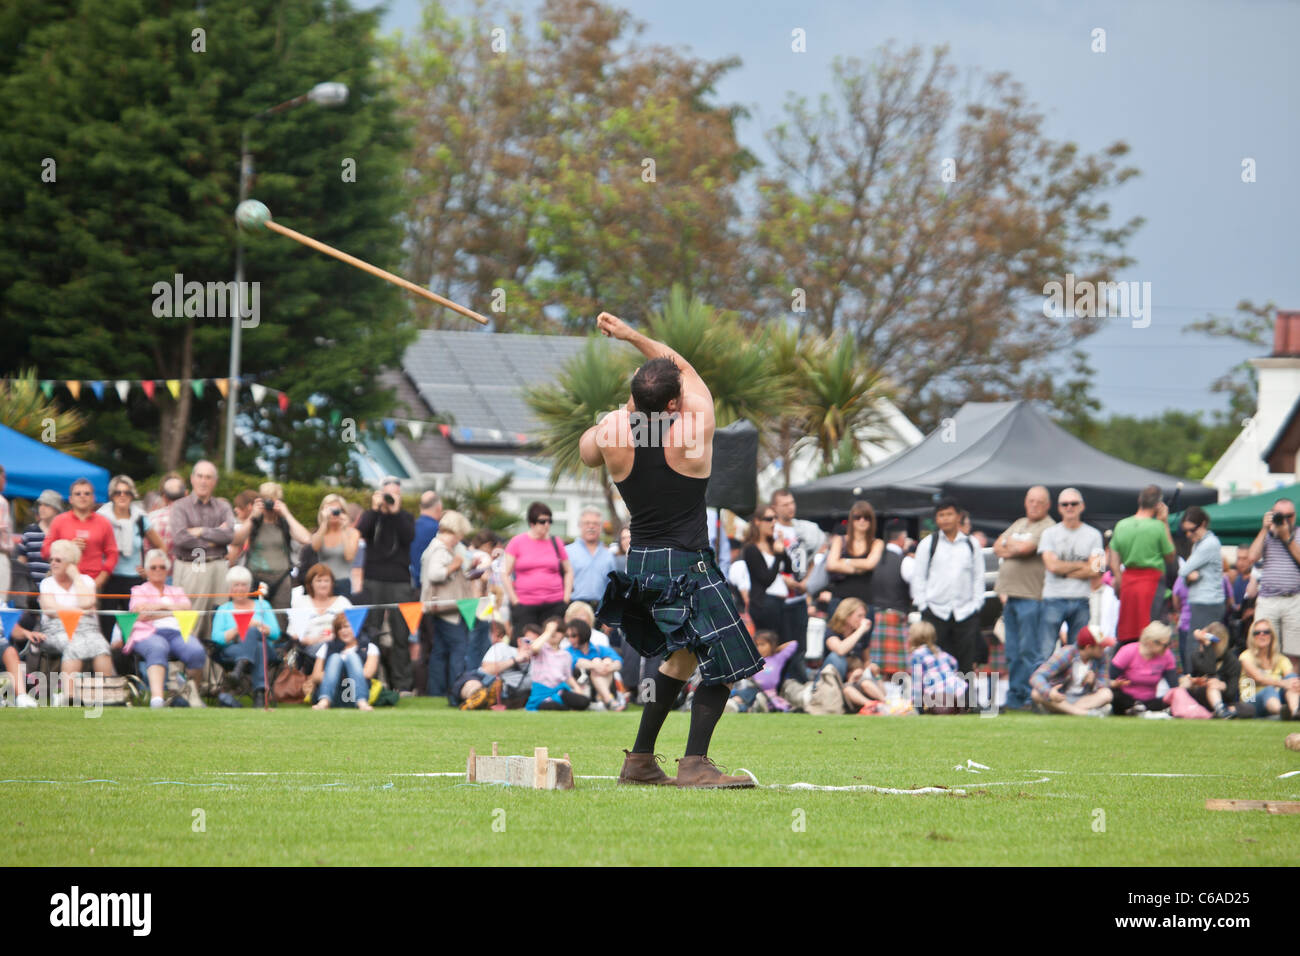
point(268, 504)
point(336, 512)
point(389, 499)
point(1279, 518)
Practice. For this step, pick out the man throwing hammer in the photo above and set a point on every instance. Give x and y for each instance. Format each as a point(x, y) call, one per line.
point(673, 601)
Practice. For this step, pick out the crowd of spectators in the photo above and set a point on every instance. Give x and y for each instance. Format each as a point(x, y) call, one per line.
point(205, 601)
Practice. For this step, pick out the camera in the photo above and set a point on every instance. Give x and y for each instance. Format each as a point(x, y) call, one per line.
point(336, 512)
point(1279, 518)
point(268, 504)
point(389, 499)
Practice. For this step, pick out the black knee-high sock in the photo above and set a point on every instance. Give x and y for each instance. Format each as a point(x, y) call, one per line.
point(706, 711)
point(664, 694)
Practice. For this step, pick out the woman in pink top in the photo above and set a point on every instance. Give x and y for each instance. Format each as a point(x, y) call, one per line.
point(1137, 667)
point(156, 636)
point(536, 573)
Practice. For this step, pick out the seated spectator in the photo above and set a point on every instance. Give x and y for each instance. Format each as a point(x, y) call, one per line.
point(1137, 668)
point(553, 685)
point(312, 610)
point(65, 588)
point(759, 693)
point(845, 633)
point(1215, 673)
point(249, 655)
point(1267, 674)
point(937, 686)
point(502, 677)
point(598, 664)
point(1073, 679)
point(345, 652)
point(13, 664)
point(156, 636)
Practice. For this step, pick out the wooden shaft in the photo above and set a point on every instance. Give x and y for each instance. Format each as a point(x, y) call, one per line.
point(374, 270)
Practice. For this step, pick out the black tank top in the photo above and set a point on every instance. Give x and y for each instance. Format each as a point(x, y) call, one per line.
point(667, 507)
point(853, 585)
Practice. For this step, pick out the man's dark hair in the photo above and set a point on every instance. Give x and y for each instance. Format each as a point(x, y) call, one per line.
point(1149, 497)
point(1197, 516)
point(655, 384)
point(894, 527)
point(532, 630)
point(943, 504)
point(781, 493)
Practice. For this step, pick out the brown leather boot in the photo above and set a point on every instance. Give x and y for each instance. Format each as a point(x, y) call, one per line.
point(644, 769)
point(703, 772)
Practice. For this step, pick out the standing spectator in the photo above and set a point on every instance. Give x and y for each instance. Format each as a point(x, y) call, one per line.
point(444, 581)
point(590, 560)
point(134, 537)
point(156, 636)
point(426, 526)
point(537, 573)
point(624, 545)
point(335, 542)
point(966, 527)
point(246, 656)
point(6, 539)
point(202, 528)
point(1137, 668)
point(718, 539)
point(388, 532)
point(90, 532)
point(802, 540)
point(172, 490)
point(1020, 582)
point(768, 574)
point(1245, 590)
point(948, 585)
point(891, 596)
point(243, 508)
point(1073, 556)
point(1277, 552)
point(270, 532)
point(1143, 546)
point(853, 558)
point(48, 507)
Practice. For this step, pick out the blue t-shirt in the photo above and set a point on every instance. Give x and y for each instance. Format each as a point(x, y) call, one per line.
point(426, 529)
point(590, 571)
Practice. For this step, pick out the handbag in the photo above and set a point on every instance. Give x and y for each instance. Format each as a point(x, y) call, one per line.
point(288, 685)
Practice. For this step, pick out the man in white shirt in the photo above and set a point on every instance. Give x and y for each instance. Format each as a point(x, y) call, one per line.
point(802, 540)
point(948, 585)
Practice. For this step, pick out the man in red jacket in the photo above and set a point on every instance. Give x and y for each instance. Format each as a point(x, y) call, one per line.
point(92, 533)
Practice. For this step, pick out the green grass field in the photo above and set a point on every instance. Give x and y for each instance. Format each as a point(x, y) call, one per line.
point(293, 787)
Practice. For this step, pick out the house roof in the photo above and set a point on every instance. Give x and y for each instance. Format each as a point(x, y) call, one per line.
point(478, 379)
point(1282, 429)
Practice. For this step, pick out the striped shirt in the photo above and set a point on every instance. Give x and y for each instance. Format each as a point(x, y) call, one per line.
point(1279, 574)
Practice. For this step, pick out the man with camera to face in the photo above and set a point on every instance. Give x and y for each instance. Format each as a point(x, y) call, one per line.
point(388, 532)
point(1279, 577)
point(270, 532)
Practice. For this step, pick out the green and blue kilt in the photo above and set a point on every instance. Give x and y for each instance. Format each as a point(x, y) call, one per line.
point(672, 600)
point(889, 643)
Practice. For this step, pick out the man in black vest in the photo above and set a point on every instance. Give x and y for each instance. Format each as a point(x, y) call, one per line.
point(673, 600)
point(892, 598)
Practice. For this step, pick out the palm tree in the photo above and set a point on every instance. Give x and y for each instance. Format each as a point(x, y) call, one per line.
point(25, 409)
point(481, 503)
point(840, 396)
point(782, 345)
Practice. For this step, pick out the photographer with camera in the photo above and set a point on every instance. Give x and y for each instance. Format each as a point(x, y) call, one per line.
point(270, 532)
point(388, 532)
point(335, 542)
point(1277, 552)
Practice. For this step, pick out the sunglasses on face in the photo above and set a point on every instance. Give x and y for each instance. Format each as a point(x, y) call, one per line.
point(123, 491)
point(1071, 504)
point(1262, 630)
point(768, 518)
point(862, 518)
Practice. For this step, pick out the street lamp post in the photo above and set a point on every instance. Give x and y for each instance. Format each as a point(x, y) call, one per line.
point(322, 94)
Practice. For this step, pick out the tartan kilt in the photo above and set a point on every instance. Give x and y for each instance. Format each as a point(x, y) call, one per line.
point(672, 600)
point(889, 643)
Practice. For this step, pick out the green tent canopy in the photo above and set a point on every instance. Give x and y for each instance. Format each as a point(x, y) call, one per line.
point(1238, 521)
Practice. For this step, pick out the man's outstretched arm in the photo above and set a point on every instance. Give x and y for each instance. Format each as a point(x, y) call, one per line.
point(615, 327)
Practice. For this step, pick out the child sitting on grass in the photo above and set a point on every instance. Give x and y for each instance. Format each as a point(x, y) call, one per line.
point(937, 688)
point(552, 673)
point(1214, 673)
point(759, 693)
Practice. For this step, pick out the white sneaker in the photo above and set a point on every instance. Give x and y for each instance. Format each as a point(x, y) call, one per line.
point(1158, 715)
point(597, 705)
point(58, 699)
point(27, 700)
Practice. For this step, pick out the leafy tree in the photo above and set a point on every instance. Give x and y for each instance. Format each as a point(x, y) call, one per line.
point(840, 395)
point(1174, 442)
point(936, 268)
point(144, 129)
point(1252, 324)
point(481, 503)
point(25, 409)
point(1074, 403)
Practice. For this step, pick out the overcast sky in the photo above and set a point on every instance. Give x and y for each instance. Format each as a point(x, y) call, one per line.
point(1193, 86)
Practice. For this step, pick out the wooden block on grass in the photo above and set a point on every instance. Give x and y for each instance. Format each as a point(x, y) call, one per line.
point(1270, 806)
point(539, 771)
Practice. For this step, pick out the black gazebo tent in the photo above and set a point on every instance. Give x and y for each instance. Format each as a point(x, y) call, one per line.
point(986, 457)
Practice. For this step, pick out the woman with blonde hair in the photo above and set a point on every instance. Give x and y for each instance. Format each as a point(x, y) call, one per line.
point(335, 542)
point(65, 588)
point(1267, 674)
point(937, 687)
point(1137, 668)
point(444, 581)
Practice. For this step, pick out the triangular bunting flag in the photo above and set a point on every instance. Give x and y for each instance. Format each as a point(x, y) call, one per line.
point(283, 399)
point(174, 386)
point(126, 623)
point(521, 438)
point(311, 409)
point(69, 619)
point(98, 389)
point(485, 613)
point(416, 430)
point(47, 387)
point(468, 608)
point(336, 416)
point(74, 387)
point(259, 393)
point(186, 619)
point(411, 612)
point(123, 389)
point(8, 618)
point(223, 386)
point(197, 384)
point(390, 426)
point(446, 431)
point(356, 618)
point(242, 620)
point(148, 385)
